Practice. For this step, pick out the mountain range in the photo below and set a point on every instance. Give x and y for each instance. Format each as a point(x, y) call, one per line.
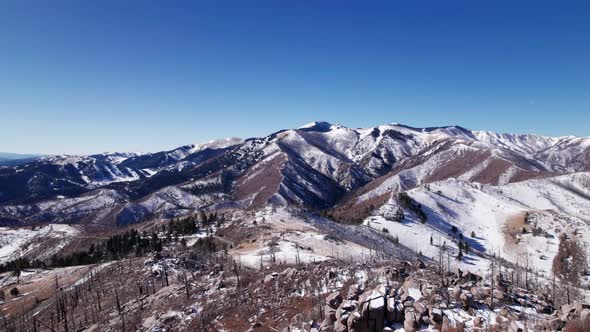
point(299, 214)
point(319, 166)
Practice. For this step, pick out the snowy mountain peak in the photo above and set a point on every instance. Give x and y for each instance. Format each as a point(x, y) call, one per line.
point(321, 126)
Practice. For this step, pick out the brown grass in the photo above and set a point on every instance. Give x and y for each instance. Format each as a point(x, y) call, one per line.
point(512, 228)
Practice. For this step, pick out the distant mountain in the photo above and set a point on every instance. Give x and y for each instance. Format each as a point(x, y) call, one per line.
point(318, 166)
point(16, 156)
point(14, 159)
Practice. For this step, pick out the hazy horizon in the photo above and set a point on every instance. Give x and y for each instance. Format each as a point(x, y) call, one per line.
point(33, 153)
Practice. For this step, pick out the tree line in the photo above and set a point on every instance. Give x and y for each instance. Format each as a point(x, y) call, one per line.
point(125, 244)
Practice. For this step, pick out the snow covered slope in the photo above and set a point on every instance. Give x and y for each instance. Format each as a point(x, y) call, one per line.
point(319, 166)
point(38, 243)
point(515, 221)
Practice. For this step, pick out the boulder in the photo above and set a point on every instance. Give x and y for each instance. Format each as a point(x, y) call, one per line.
point(330, 314)
point(410, 321)
point(420, 264)
point(498, 294)
point(516, 326)
point(395, 311)
point(436, 316)
point(327, 325)
point(354, 292)
point(476, 292)
point(340, 327)
point(355, 323)
point(457, 293)
point(268, 279)
point(420, 308)
point(554, 324)
point(581, 307)
point(428, 290)
point(372, 307)
point(566, 308)
point(406, 297)
point(449, 325)
point(478, 321)
point(466, 299)
point(567, 312)
point(334, 300)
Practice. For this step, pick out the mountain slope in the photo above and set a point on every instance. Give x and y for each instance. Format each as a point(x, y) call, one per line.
point(318, 166)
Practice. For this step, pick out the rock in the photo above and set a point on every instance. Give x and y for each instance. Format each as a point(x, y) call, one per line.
point(410, 319)
point(554, 324)
point(410, 283)
point(268, 279)
point(330, 314)
point(331, 274)
point(504, 312)
point(567, 312)
point(340, 327)
point(355, 323)
point(354, 292)
point(390, 315)
point(428, 290)
point(420, 264)
point(478, 321)
point(405, 297)
point(348, 305)
point(457, 293)
point(466, 299)
point(585, 315)
point(498, 294)
point(371, 305)
point(581, 307)
point(516, 326)
point(566, 308)
point(327, 326)
point(476, 292)
point(334, 300)
point(449, 325)
point(420, 308)
point(409, 304)
point(436, 316)
point(395, 311)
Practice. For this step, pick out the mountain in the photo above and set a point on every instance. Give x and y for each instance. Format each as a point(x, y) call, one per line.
point(317, 166)
point(14, 159)
point(424, 225)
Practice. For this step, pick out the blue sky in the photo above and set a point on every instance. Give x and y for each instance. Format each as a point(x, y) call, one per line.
point(153, 75)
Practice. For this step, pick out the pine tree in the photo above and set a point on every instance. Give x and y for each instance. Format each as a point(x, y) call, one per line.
point(460, 254)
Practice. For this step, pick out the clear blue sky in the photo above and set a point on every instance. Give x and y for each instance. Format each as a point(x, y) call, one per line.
point(149, 75)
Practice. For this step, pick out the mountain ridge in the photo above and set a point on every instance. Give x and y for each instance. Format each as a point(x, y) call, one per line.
point(319, 166)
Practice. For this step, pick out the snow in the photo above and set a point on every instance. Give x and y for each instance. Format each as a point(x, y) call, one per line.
point(308, 238)
point(489, 211)
point(217, 144)
point(415, 293)
point(17, 242)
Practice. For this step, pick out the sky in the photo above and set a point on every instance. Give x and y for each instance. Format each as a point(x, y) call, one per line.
point(83, 77)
